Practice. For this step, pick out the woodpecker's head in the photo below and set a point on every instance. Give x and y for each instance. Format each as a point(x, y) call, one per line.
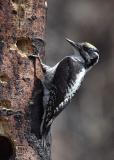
point(85, 52)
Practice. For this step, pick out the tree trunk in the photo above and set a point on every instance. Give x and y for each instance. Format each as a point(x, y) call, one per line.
point(22, 32)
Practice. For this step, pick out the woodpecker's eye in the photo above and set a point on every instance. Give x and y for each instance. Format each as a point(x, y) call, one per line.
point(85, 48)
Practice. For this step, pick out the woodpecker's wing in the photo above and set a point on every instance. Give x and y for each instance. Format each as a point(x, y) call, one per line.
point(66, 82)
point(62, 90)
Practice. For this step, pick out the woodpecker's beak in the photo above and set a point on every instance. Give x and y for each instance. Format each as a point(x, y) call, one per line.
point(77, 48)
point(73, 44)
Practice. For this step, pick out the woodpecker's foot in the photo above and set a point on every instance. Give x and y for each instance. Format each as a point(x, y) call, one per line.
point(33, 56)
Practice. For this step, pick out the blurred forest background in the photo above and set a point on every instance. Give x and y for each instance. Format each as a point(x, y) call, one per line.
point(84, 131)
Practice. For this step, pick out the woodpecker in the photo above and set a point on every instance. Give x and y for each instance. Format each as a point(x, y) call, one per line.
point(63, 80)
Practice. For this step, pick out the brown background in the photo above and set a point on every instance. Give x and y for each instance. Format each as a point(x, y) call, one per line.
point(84, 131)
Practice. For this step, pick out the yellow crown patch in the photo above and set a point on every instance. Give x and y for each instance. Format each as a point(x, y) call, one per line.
point(90, 45)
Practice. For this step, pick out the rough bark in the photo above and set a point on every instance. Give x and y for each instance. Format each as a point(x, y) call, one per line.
point(22, 29)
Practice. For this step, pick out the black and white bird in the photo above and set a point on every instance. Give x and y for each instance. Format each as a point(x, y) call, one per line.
point(63, 80)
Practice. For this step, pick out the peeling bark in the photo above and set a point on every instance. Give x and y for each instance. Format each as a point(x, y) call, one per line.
point(22, 32)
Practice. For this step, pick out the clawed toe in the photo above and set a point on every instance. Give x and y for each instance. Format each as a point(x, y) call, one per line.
point(33, 56)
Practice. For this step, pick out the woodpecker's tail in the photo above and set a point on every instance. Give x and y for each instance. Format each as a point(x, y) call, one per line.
point(45, 133)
